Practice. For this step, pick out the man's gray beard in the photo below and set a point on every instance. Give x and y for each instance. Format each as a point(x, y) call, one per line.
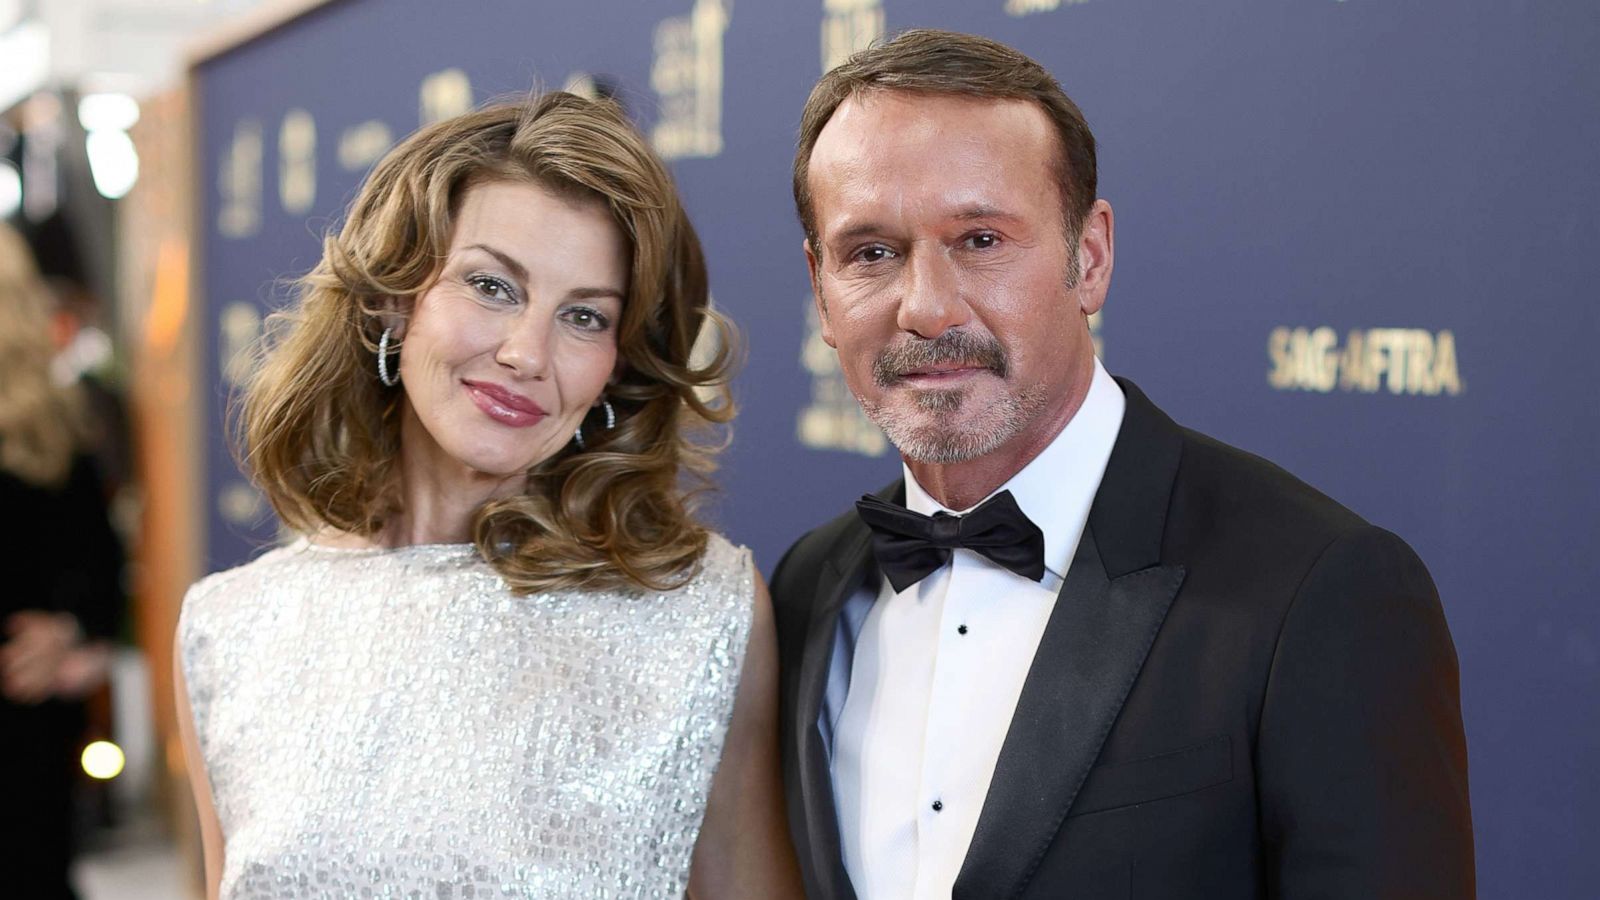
point(942, 441)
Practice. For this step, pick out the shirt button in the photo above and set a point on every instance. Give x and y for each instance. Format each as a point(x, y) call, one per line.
point(938, 805)
point(961, 629)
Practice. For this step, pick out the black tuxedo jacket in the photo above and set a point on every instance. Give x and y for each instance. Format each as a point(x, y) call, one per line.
point(1244, 691)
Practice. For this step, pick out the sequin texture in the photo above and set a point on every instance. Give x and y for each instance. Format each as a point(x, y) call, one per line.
point(397, 723)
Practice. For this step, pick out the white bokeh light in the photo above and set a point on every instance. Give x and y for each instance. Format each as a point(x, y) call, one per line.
point(103, 760)
point(113, 162)
point(107, 112)
point(10, 189)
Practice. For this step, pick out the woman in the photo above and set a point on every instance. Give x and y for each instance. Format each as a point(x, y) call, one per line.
point(502, 659)
point(63, 596)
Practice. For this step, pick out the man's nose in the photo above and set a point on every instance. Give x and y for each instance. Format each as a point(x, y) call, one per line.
point(931, 301)
point(525, 346)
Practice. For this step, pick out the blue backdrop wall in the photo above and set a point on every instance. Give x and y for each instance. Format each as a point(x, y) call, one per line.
point(1360, 238)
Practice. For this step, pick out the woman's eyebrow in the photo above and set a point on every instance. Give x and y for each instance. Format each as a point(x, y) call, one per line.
point(517, 269)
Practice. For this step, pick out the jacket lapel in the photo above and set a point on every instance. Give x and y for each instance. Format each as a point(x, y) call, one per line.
point(1089, 656)
point(843, 570)
point(1112, 603)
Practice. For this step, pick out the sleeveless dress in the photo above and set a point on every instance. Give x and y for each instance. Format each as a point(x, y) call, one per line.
point(397, 723)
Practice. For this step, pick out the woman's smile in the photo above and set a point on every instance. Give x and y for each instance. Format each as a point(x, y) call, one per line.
point(503, 405)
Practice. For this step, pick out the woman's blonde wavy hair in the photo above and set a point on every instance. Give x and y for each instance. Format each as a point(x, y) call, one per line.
point(321, 434)
point(40, 421)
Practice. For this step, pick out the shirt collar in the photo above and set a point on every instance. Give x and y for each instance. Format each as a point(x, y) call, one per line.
point(1056, 489)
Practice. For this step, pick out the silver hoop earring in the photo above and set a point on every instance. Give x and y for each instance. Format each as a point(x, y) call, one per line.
point(611, 422)
point(383, 361)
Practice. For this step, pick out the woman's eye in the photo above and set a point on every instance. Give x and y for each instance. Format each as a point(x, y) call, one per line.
point(492, 288)
point(588, 319)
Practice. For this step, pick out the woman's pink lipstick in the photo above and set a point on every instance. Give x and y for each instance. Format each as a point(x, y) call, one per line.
point(503, 406)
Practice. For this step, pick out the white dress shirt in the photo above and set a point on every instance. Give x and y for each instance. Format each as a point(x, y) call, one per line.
point(924, 682)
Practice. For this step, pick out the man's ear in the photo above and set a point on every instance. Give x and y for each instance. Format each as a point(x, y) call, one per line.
point(816, 294)
point(1096, 256)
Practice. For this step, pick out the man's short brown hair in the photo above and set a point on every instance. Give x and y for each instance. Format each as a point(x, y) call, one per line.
point(925, 60)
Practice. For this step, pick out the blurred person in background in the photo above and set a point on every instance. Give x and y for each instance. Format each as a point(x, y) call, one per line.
point(85, 358)
point(502, 657)
point(63, 598)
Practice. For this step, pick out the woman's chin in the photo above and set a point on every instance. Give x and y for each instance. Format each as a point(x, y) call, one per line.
point(481, 466)
point(493, 459)
point(502, 470)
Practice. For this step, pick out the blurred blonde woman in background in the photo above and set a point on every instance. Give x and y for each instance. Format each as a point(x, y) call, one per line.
point(62, 599)
point(502, 659)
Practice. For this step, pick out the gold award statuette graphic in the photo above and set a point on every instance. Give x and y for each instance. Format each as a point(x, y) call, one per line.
point(848, 26)
point(240, 503)
point(297, 162)
point(1020, 8)
point(238, 342)
point(833, 420)
point(238, 339)
point(442, 95)
point(582, 84)
point(364, 144)
point(687, 76)
point(239, 182)
point(1412, 361)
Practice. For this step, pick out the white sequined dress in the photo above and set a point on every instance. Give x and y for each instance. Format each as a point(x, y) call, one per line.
point(397, 723)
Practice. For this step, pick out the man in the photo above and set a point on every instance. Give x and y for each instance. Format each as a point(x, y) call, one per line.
point(1136, 662)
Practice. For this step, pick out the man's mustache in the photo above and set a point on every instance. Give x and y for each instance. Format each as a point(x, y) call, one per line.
point(955, 347)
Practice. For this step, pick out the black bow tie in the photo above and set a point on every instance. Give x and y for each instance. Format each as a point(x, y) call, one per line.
point(910, 546)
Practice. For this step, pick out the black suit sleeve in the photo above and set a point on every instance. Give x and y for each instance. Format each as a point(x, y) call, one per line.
point(790, 606)
point(781, 576)
point(1362, 758)
point(794, 586)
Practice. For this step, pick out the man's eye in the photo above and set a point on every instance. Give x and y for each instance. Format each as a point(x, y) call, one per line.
point(492, 288)
point(875, 253)
point(983, 240)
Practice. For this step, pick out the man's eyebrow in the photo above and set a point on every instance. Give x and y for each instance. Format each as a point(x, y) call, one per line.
point(970, 213)
point(857, 230)
point(516, 268)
